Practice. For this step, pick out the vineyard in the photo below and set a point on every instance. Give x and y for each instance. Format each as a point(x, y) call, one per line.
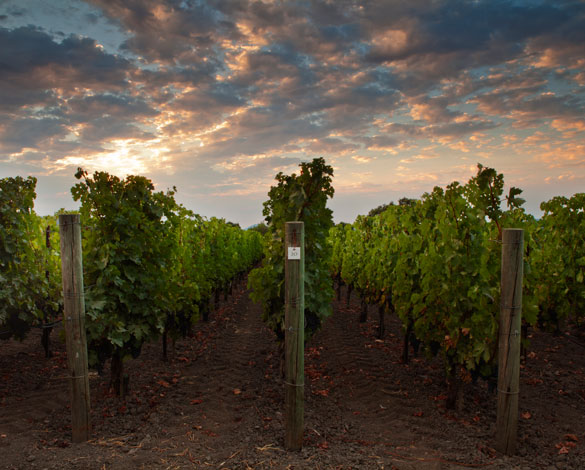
point(185, 325)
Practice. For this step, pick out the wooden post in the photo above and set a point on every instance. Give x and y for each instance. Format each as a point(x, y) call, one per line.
point(294, 334)
point(46, 338)
point(509, 341)
point(74, 321)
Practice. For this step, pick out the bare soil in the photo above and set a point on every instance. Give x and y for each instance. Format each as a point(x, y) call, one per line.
point(218, 404)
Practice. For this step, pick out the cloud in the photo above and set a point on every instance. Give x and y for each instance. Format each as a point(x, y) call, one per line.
point(527, 109)
point(432, 110)
point(109, 104)
point(331, 146)
point(169, 32)
point(31, 60)
point(362, 158)
point(16, 135)
point(231, 91)
point(437, 40)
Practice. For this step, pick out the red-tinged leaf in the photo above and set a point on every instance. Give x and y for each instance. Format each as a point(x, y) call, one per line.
point(197, 401)
point(563, 450)
point(237, 391)
point(174, 380)
point(417, 413)
point(182, 359)
point(323, 393)
point(267, 418)
point(526, 415)
point(571, 437)
point(356, 413)
point(164, 383)
point(210, 433)
point(534, 381)
point(323, 445)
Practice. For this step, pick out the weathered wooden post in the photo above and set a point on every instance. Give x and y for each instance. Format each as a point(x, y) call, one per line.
point(46, 338)
point(294, 334)
point(74, 321)
point(509, 341)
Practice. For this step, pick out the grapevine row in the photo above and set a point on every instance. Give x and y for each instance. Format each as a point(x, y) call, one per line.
point(151, 267)
point(435, 262)
point(30, 278)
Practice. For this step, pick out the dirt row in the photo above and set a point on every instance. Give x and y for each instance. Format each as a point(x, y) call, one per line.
point(218, 403)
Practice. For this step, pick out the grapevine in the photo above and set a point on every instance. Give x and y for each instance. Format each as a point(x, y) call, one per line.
point(304, 198)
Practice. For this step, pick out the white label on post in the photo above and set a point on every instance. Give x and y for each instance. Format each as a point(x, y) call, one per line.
point(294, 252)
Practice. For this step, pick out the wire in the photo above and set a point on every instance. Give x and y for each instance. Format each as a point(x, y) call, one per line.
point(44, 326)
point(293, 385)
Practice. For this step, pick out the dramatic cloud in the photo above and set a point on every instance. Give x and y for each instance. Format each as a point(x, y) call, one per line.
point(217, 96)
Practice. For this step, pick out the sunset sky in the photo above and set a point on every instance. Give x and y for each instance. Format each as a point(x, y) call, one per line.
point(215, 97)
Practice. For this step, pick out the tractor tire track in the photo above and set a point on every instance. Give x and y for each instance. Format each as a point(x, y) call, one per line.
point(376, 406)
point(232, 388)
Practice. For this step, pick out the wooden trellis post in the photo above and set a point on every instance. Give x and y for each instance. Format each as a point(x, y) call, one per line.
point(294, 334)
point(509, 341)
point(74, 321)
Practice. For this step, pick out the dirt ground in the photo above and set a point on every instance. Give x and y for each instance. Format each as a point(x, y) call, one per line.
point(218, 404)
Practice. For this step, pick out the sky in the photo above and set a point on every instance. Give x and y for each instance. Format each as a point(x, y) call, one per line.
point(216, 97)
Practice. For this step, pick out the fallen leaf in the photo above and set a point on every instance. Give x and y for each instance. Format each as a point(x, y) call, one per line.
point(417, 413)
point(164, 383)
point(571, 437)
point(197, 401)
point(534, 381)
point(563, 450)
point(237, 391)
point(323, 445)
point(526, 415)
